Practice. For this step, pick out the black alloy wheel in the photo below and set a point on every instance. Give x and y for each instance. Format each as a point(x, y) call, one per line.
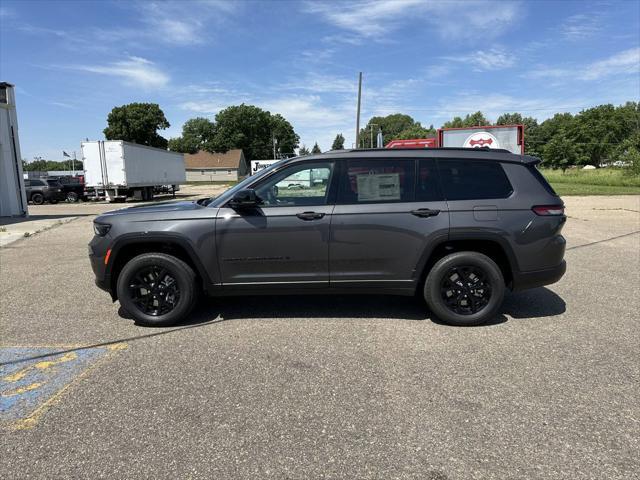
point(157, 289)
point(154, 291)
point(466, 289)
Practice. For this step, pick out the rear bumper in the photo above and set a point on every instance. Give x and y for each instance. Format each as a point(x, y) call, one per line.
point(538, 278)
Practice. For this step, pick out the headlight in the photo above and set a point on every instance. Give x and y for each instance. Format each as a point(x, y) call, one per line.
point(101, 229)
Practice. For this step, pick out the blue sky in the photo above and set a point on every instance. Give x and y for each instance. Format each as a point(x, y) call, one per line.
point(72, 61)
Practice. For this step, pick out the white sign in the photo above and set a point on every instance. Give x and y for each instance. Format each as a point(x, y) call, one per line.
point(481, 140)
point(378, 187)
point(257, 165)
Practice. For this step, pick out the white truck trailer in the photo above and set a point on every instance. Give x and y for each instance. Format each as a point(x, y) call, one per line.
point(119, 169)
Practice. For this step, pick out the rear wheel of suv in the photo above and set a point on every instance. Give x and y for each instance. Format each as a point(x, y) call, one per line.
point(465, 289)
point(157, 289)
point(37, 199)
point(72, 197)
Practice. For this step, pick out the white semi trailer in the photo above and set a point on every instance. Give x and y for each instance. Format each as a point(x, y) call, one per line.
point(118, 169)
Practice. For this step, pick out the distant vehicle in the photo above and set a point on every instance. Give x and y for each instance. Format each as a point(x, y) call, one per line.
point(73, 188)
point(118, 169)
point(40, 190)
point(457, 226)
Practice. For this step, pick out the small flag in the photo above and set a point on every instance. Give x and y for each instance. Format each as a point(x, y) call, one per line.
point(65, 154)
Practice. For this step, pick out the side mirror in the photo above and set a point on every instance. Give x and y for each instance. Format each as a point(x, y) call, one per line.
point(246, 198)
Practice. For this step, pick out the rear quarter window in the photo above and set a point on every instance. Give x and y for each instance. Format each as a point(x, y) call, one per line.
point(540, 178)
point(473, 180)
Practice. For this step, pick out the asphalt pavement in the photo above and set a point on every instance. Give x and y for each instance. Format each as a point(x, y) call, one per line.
point(324, 387)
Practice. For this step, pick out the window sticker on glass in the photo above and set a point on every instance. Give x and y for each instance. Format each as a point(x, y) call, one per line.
point(378, 187)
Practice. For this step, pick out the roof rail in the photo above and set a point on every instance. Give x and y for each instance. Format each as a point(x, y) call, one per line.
point(463, 149)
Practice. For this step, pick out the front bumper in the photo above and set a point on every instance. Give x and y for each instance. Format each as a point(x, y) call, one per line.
point(97, 252)
point(538, 278)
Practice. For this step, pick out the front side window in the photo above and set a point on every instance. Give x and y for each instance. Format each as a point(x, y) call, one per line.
point(306, 184)
point(473, 180)
point(376, 181)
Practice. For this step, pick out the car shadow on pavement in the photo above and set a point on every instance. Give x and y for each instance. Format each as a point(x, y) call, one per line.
point(539, 302)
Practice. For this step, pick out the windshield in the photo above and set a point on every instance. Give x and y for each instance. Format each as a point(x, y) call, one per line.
point(243, 184)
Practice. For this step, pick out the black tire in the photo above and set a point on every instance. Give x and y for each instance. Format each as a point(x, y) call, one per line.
point(481, 295)
point(176, 270)
point(72, 197)
point(37, 199)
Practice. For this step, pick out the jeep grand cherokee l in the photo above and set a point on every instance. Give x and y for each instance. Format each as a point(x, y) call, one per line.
point(457, 226)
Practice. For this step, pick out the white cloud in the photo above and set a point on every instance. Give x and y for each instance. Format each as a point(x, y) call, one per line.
point(580, 26)
point(134, 71)
point(171, 22)
point(621, 63)
point(483, 60)
point(323, 83)
point(373, 19)
point(183, 23)
point(626, 62)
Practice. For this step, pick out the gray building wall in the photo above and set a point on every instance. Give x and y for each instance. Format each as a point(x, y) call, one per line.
point(13, 200)
point(212, 174)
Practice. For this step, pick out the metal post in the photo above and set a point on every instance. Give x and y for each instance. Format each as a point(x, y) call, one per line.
point(358, 112)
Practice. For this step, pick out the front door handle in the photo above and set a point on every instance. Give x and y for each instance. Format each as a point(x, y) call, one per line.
point(310, 215)
point(425, 212)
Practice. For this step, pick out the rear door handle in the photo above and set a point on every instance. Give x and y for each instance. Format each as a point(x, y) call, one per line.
point(310, 215)
point(425, 212)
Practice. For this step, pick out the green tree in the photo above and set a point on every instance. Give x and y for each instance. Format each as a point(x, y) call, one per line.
point(137, 123)
point(316, 149)
point(394, 126)
point(287, 139)
point(598, 130)
point(303, 151)
point(530, 129)
point(560, 152)
point(42, 165)
point(415, 131)
point(253, 130)
point(628, 152)
point(197, 134)
point(476, 119)
point(338, 143)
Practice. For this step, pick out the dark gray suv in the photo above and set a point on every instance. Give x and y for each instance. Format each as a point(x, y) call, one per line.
point(457, 226)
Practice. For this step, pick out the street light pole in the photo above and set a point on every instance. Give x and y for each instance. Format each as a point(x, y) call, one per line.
point(358, 111)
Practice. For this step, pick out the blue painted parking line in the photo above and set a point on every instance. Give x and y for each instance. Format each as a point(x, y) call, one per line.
point(32, 378)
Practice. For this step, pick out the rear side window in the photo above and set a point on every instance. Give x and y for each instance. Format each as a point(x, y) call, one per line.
point(427, 185)
point(376, 181)
point(37, 183)
point(473, 180)
point(536, 173)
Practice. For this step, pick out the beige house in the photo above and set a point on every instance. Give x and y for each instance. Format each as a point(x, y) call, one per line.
point(212, 167)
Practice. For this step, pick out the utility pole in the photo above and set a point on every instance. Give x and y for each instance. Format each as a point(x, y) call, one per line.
point(358, 112)
point(74, 163)
point(274, 147)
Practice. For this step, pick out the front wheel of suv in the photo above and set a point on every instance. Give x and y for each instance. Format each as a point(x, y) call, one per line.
point(464, 289)
point(37, 199)
point(156, 289)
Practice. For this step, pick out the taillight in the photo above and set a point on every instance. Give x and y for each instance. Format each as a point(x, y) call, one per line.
point(548, 210)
